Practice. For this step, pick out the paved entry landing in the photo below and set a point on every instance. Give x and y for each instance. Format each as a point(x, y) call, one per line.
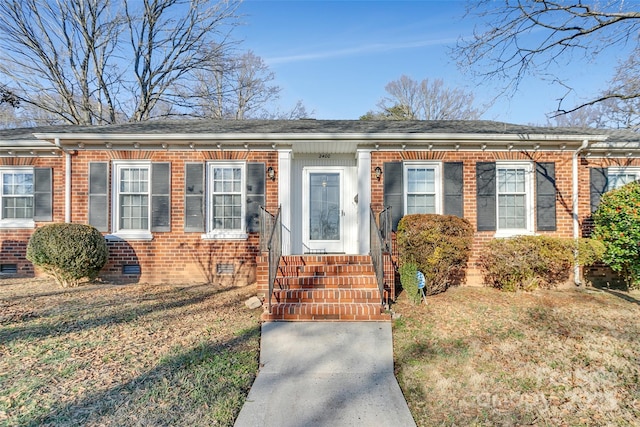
point(325, 374)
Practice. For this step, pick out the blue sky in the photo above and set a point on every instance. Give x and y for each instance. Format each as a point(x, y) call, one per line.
point(337, 56)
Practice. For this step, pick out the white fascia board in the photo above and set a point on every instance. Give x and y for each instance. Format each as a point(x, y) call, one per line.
point(26, 143)
point(382, 138)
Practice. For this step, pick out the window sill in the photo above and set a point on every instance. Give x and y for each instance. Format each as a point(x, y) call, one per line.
point(501, 234)
point(225, 235)
point(132, 235)
point(17, 223)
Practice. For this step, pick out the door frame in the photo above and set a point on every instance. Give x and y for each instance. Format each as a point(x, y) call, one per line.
point(348, 212)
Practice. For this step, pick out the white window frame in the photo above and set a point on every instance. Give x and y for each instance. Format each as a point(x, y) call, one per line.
point(439, 189)
point(219, 234)
point(621, 170)
point(129, 234)
point(529, 193)
point(14, 222)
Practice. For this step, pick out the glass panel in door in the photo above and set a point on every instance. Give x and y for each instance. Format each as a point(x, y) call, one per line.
point(324, 206)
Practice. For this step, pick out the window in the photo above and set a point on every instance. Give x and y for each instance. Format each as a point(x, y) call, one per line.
point(17, 194)
point(514, 197)
point(17, 198)
point(618, 177)
point(422, 188)
point(226, 196)
point(131, 198)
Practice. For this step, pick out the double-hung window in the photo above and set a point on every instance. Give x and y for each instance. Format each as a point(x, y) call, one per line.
point(223, 198)
point(619, 176)
point(17, 196)
point(131, 198)
point(423, 188)
point(226, 195)
point(514, 197)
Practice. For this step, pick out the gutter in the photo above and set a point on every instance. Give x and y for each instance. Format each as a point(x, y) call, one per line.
point(67, 182)
point(575, 197)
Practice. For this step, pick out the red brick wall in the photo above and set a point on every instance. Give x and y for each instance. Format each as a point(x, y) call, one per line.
point(175, 256)
point(13, 242)
point(563, 170)
point(186, 257)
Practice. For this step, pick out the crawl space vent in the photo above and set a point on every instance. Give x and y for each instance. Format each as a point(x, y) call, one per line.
point(224, 268)
point(131, 269)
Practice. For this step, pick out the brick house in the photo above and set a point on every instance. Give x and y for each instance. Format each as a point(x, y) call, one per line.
point(186, 200)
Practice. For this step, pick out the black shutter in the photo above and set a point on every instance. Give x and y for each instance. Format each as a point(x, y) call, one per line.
point(161, 197)
point(486, 195)
point(194, 197)
point(393, 191)
point(42, 194)
point(546, 196)
point(453, 189)
point(598, 183)
point(255, 195)
point(98, 195)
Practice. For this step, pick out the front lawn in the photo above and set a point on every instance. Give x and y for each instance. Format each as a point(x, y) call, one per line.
point(124, 355)
point(477, 356)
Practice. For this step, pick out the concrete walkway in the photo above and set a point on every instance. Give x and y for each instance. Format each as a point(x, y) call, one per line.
point(325, 374)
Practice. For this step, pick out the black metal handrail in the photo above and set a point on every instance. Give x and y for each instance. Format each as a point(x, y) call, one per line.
point(377, 249)
point(266, 226)
point(385, 228)
point(274, 247)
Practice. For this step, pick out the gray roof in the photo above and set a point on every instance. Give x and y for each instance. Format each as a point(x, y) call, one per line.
point(306, 126)
point(310, 126)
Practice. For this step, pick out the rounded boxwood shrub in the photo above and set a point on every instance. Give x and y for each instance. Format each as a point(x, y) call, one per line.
point(68, 252)
point(617, 225)
point(439, 246)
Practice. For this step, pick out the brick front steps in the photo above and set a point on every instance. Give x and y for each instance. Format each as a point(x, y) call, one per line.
point(326, 288)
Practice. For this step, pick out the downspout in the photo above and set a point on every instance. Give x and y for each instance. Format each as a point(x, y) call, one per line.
point(575, 197)
point(67, 182)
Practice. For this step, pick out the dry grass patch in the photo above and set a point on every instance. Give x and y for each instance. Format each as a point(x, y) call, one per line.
point(478, 356)
point(124, 355)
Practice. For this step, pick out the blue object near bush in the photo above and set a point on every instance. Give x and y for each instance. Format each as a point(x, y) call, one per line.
point(421, 284)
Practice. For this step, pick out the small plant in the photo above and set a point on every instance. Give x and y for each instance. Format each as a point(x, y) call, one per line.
point(617, 225)
point(439, 246)
point(409, 281)
point(68, 252)
point(530, 262)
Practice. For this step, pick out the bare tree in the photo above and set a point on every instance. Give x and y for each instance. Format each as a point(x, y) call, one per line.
point(7, 97)
point(520, 38)
point(622, 97)
point(74, 59)
point(412, 100)
point(592, 116)
point(240, 88)
point(56, 54)
point(172, 39)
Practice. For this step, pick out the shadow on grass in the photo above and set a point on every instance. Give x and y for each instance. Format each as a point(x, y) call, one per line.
point(52, 329)
point(207, 381)
point(620, 294)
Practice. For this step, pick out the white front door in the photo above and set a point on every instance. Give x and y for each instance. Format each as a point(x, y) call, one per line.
point(328, 209)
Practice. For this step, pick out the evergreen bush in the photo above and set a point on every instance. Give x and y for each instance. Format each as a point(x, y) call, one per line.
point(617, 225)
point(68, 252)
point(409, 281)
point(439, 245)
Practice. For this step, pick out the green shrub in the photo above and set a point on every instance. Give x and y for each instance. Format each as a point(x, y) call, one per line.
point(617, 225)
point(590, 251)
point(529, 262)
point(409, 281)
point(68, 252)
point(439, 245)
